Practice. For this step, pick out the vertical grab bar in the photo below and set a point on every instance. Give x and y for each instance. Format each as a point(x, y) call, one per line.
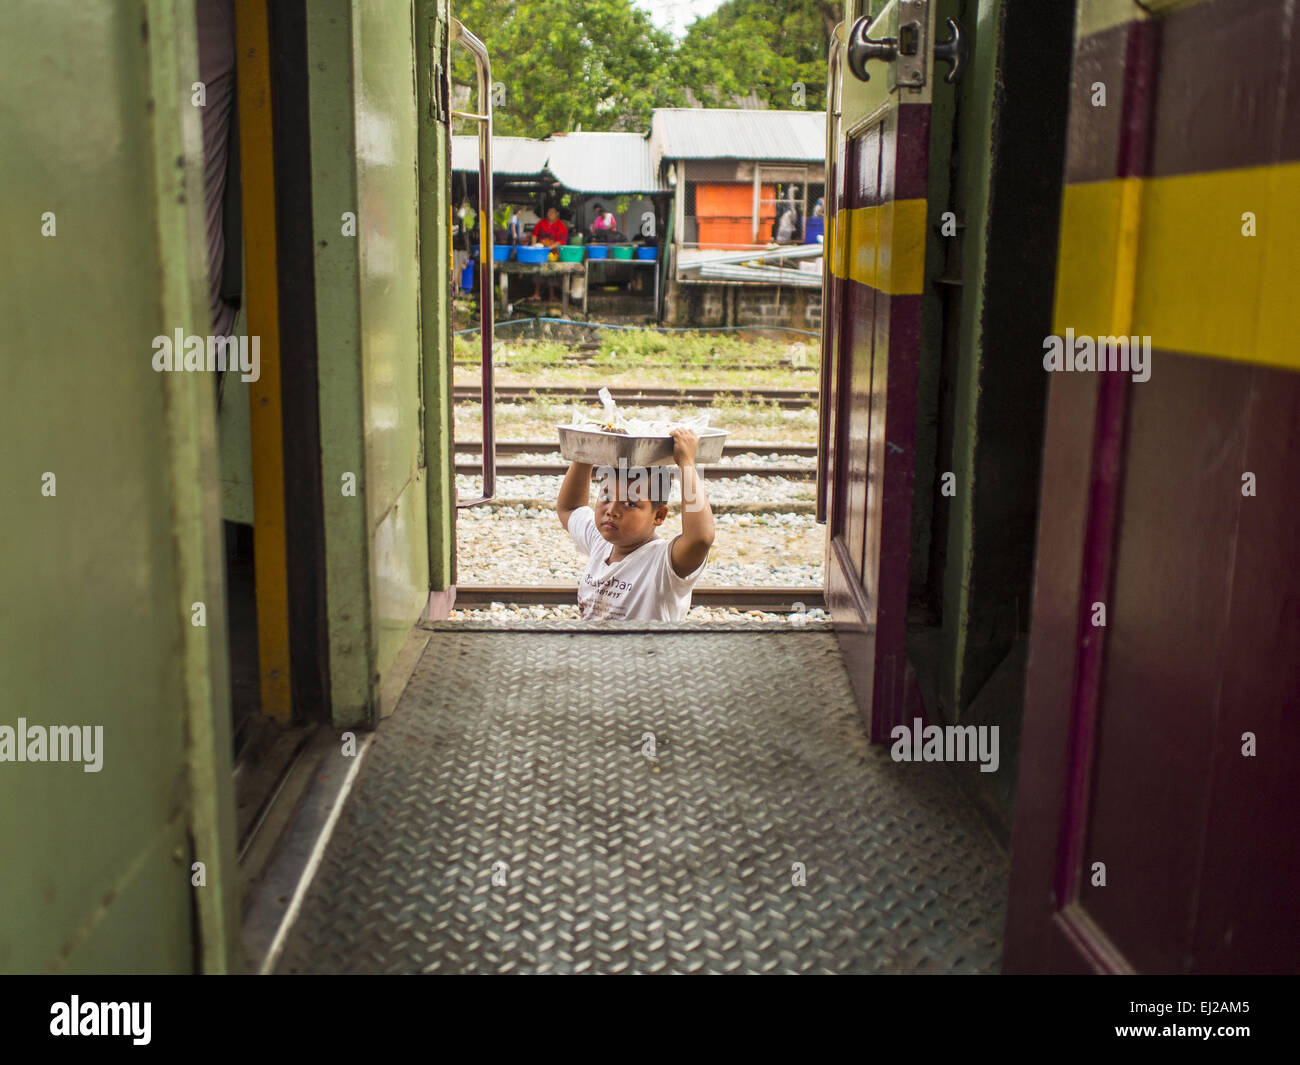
point(829, 242)
point(486, 293)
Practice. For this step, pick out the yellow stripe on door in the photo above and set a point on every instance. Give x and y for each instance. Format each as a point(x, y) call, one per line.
point(882, 246)
point(266, 430)
point(1201, 284)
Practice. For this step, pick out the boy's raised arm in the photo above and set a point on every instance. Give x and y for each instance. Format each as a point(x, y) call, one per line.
point(692, 547)
point(575, 492)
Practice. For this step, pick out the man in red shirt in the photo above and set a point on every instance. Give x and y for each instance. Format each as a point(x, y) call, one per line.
point(550, 231)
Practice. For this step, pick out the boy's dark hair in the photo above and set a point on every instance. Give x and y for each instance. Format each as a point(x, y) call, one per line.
point(661, 484)
point(659, 480)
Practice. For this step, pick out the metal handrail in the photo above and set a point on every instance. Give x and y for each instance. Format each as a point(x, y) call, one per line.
point(486, 309)
point(829, 238)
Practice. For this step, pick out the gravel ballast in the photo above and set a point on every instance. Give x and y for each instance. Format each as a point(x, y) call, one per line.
point(512, 615)
point(768, 491)
point(527, 545)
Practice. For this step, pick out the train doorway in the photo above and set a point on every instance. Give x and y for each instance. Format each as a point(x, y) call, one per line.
point(515, 382)
point(252, 66)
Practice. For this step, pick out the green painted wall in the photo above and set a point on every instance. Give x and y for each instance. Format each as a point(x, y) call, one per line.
point(431, 22)
point(388, 243)
point(941, 253)
point(99, 577)
point(338, 345)
point(971, 197)
point(382, 331)
point(1010, 168)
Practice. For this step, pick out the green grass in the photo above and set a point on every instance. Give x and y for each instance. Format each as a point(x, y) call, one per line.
point(692, 349)
point(648, 348)
point(647, 358)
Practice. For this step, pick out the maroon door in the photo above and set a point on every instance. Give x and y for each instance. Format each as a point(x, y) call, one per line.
point(1158, 810)
point(877, 180)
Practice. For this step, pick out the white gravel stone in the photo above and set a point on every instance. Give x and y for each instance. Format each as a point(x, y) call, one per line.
point(748, 489)
point(523, 545)
point(523, 614)
point(731, 458)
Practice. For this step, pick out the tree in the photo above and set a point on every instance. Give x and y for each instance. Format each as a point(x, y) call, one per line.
point(602, 64)
point(760, 48)
point(565, 64)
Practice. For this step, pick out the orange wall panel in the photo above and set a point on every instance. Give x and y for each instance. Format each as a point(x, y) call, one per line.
point(724, 214)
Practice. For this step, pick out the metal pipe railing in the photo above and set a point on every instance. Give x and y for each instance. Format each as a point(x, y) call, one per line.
point(486, 308)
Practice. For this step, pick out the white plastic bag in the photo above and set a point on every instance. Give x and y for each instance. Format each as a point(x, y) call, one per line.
point(637, 426)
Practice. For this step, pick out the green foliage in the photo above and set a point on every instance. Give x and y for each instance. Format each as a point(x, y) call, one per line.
point(688, 349)
point(603, 65)
point(719, 358)
point(598, 64)
point(760, 48)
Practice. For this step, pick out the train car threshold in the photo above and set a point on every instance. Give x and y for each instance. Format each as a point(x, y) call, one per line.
point(569, 801)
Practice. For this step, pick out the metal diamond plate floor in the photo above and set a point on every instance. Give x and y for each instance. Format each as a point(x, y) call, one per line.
point(695, 802)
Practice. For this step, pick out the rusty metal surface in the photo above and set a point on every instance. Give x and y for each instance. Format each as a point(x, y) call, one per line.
point(511, 817)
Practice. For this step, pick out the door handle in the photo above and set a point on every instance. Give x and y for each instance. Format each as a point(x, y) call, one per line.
point(907, 51)
point(486, 301)
point(950, 52)
point(862, 48)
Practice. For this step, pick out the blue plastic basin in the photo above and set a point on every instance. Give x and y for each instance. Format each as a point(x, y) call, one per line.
point(647, 253)
point(597, 251)
point(532, 253)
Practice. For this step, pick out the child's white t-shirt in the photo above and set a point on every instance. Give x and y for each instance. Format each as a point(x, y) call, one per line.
point(642, 586)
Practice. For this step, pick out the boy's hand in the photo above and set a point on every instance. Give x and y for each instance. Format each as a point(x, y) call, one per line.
point(686, 442)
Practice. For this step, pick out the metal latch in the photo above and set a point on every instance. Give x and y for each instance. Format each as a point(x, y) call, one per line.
point(907, 50)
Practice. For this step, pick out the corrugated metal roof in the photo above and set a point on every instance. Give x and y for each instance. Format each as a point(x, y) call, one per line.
point(604, 163)
point(734, 133)
point(510, 155)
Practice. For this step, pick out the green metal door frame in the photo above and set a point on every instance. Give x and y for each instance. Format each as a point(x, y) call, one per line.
point(388, 483)
point(106, 571)
point(432, 18)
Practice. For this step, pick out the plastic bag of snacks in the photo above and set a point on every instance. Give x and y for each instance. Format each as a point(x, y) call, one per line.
point(612, 421)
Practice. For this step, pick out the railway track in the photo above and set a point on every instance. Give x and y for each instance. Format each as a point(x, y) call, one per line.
point(545, 447)
point(785, 506)
point(468, 462)
point(774, 600)
point(788, 398)
point(472, 365)
point(718, 472)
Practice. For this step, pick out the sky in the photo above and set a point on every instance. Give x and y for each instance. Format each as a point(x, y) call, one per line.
point(676, 15)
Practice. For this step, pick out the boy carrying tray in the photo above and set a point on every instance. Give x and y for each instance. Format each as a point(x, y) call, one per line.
point(632, 572)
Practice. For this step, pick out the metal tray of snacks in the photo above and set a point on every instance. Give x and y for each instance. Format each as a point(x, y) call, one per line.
point(602, 448)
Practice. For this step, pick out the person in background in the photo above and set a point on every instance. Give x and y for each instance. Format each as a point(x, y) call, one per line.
point(515, 227)
point(603, 226)
point(550, 231)
point(787, 225)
